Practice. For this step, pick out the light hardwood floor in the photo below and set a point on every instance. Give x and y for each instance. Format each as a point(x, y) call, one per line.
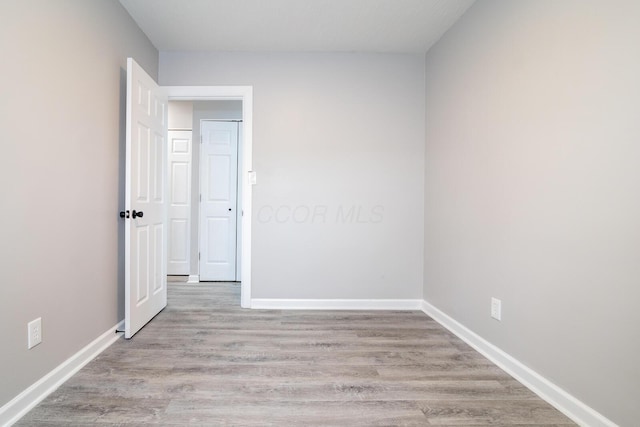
point(204, 361)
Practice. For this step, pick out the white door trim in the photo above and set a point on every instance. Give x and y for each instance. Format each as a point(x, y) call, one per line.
point(244, 94)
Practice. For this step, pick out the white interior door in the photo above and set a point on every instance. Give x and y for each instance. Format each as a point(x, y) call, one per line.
point(179, 216)
point(145, 231)
point(218, 204)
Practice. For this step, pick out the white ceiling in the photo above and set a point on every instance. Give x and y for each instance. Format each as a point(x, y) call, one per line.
point(295, 25)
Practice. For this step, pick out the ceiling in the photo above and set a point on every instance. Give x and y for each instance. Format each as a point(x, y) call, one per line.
point(295, 25)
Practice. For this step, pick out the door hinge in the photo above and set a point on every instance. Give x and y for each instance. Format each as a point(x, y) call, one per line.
point(198, 256)
point(201, 197)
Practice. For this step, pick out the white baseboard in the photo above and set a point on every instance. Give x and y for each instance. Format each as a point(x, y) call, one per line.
point(25, 401)
point(573, 408)
point(336, 304)
point(193, 278)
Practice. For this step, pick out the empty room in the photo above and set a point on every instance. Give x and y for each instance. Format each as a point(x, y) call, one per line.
point(320, 212)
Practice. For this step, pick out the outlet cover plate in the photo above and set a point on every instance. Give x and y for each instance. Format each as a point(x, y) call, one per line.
point(496, 308)
point(34, 330)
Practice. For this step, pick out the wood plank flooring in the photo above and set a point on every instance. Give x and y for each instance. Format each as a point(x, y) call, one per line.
point(204, 361)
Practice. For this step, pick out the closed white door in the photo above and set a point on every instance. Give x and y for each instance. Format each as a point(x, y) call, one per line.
point(145, 200)
point(179, 217)
point(218, 205)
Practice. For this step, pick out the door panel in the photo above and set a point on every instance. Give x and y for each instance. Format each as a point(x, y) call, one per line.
point(219, 167)
point(140, 266)
point(219, 176)
point(218, 238)
point(145, 234)
point(179, 180)
point(178, 247)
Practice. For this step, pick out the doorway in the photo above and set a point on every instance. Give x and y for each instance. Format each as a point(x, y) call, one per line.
point(204, 237)
point(243, 97)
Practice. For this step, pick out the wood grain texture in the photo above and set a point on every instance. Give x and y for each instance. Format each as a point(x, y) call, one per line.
point(205, 361)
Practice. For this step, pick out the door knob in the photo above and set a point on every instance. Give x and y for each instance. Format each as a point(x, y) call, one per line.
point(229, 209)
point(124, 214)
point(135, 214)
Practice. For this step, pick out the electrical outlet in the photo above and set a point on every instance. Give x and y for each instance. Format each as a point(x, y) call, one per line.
point(496, 308)
point(34, 329)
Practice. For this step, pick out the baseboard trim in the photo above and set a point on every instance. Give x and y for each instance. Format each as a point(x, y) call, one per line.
point(335, 304)
point(573, 408)
point(193, 278)
point(15, 409)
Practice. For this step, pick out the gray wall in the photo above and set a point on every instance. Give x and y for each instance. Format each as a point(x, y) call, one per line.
point(62, 121)
point(333, 134)
point(532, 189)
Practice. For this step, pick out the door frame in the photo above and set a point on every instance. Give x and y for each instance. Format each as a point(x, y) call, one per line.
point(244, 94)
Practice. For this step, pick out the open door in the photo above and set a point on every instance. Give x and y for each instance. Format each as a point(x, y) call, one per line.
point(145, 195)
